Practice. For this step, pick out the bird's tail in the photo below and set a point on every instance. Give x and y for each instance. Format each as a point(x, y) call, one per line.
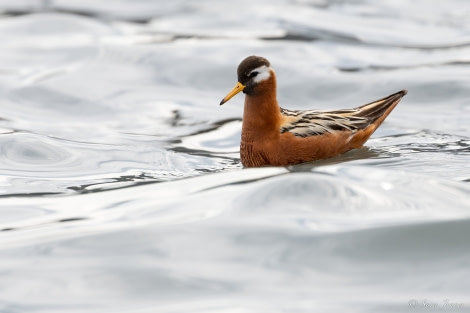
point(378, 110)
point(374, 113)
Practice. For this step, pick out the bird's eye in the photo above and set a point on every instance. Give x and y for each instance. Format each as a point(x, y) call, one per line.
point(253, 74)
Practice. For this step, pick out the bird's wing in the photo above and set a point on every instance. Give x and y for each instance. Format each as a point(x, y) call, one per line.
point(315, 122)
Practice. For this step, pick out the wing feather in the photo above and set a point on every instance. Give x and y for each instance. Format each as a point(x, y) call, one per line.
point(304, 123)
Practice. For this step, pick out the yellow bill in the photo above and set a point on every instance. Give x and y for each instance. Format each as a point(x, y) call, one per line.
point(238, 88)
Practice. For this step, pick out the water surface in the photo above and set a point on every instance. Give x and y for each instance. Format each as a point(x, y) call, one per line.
point(121, 186)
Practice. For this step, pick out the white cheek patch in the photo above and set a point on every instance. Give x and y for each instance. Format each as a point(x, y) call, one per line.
point(264, 73)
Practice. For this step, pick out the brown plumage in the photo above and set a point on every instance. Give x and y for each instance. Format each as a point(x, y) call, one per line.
point(275, 136)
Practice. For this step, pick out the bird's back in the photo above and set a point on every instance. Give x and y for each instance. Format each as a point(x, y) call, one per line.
point(315, 122)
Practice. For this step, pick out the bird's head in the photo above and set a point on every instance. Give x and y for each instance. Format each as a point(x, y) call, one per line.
point(251, 72)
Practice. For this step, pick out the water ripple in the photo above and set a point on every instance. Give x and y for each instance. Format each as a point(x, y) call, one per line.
point(40, 165)
point(32, 153)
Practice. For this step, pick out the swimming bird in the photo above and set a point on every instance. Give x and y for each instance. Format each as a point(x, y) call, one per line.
point(273, 136)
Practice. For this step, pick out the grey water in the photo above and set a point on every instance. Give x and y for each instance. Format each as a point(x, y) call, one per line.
point(121, 187)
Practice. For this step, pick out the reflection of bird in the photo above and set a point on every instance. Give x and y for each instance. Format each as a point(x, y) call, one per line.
point(275, 136)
